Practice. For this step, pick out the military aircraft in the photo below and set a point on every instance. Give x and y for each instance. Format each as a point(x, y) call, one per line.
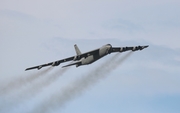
point(89, 57)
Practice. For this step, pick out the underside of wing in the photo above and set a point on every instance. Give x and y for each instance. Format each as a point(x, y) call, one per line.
point(39, 67)
point(75, 58)
point(123, 49)
point(55, 63)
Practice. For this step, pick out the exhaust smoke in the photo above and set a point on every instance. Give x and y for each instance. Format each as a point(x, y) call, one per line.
point(30, 90)
point(70, 92)
point(22, 80)
point(38, 86)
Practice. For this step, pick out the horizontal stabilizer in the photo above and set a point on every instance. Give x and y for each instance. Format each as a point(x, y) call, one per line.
point(76, 63)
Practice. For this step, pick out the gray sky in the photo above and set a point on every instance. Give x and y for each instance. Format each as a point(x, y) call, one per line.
point(40, 31)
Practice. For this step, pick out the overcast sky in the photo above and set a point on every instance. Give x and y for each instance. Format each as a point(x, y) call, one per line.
point(40, 31)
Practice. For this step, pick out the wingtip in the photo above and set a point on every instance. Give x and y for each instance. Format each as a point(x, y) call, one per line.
point(146, 46)
point(143, 47)
point(27, 69)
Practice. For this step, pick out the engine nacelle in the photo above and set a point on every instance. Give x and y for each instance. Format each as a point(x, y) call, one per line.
point(134, 49)
point(76, 58)
point(55, 63)
point(122, 49)
point(39, 67)
point(137, 48)
point(140, 47)
point(77, 65)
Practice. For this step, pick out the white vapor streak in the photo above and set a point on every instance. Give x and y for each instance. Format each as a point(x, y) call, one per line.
point(21, 81)
point(13, 90)
point(37, 87)
point(77, 87)
point(30, 90)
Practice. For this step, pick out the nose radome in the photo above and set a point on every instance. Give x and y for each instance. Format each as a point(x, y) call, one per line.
point(108, 46)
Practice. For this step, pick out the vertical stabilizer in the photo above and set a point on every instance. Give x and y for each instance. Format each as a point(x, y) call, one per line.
point(78, 52)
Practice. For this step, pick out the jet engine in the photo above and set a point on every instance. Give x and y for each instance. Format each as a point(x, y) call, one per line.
point(55, 63)
point(76, 58)
point(39, 67)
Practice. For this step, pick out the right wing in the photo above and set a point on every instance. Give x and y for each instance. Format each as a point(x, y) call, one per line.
point(123, 49)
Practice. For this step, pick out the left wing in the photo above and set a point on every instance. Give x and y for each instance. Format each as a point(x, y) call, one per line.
point(55, 63)
point(75, 58)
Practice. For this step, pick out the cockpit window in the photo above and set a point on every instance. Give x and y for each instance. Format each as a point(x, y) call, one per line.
point(108, 44)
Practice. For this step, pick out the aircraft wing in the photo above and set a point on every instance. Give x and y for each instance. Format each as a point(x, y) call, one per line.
point(56, 63)
point(123, 49)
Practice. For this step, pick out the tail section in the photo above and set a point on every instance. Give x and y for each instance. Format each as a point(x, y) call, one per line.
point(78, 52)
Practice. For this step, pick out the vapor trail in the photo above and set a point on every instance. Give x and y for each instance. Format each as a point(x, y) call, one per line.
point(30, 90)
point(77, 87)
point(22, 80)
point(37, 86)
point(46, 81)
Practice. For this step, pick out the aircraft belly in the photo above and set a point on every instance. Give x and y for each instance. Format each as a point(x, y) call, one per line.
point(92, 58)
point(88, 60)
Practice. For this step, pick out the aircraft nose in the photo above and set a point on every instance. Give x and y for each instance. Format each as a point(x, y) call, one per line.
point(108, 46)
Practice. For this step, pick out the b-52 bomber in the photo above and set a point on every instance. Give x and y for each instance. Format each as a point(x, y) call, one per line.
point(89, 57)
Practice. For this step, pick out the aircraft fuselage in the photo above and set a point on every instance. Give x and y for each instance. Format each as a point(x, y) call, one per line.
point(89, 57)
point(103, 51)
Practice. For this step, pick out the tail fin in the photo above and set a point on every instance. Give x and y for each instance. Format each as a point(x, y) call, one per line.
point(78, 52)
